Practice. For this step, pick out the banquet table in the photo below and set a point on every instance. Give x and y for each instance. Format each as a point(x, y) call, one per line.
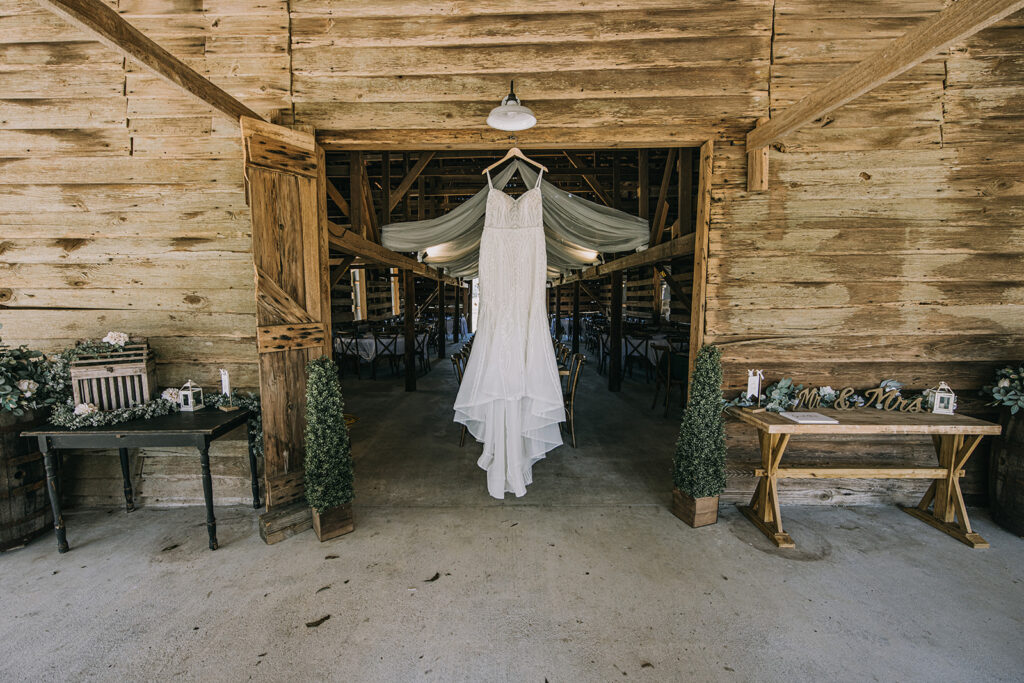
point(368, 349)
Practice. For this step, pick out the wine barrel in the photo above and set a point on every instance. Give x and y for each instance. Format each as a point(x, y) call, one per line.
point(1006, 474)
point(24, 501)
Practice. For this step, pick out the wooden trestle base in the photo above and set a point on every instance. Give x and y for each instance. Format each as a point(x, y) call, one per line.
point(955, 438)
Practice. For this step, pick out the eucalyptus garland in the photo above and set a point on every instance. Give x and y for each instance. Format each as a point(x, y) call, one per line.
point(57, 377)
point(250, 402)
point(63, 414)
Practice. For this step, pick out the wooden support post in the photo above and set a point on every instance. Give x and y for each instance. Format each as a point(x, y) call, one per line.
point(700, 253)
point(410, 329)
point(421, 198)
point(441, 331)
point(456, 328)
point(385, 184)
point(355, 205)
point(469, 306)
point(615, 335)
point(643, 192)
point(576, 317)
point(757, 164)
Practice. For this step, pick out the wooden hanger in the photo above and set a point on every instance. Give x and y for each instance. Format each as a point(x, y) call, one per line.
point(515, 152)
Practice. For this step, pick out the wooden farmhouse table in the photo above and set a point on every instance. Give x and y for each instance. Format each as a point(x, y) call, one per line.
point(194, 430)
point(955, 438)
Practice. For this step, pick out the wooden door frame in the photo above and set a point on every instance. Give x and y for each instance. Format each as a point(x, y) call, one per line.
point(705, 178)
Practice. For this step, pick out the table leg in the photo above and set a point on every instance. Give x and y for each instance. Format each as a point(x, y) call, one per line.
point(252, 470)
point(763, 509)
point(129, 502)
point(211, 522)
point(53, 486)
point(949, 513)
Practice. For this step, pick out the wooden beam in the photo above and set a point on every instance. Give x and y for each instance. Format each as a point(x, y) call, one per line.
point(757, 164)
point(423, 306)
point(661, 208)
point(676, 288)
point(593, 297)
point(952, 25)
point(700, 252)
point(355, 176)
point(590, 179)
point(343, 266)
point(351, 243)
point(643, 183)
point(372, 225)
point(666, 251)
point(336, 197)
point(685, 191)
point(409, 282)
point(385, 184)
point(104, 24)
point(410, 178)
point(576, 316)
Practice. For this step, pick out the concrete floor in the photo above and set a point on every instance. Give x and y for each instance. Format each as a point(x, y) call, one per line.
point(587, 578)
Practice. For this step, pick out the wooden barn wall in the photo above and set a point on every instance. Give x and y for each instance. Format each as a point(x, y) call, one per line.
point(889, 243)
point(887, 246)
point(123, 206)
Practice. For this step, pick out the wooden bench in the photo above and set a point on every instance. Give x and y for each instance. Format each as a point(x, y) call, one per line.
point(955, 438)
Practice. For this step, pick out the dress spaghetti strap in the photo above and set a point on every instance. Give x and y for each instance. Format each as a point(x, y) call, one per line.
point(539, 174)
point(489, 184)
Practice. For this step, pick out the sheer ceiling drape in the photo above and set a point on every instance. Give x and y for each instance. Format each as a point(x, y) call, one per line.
point(575, 230)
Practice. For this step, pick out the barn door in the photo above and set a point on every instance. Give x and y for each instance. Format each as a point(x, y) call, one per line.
point(287, 194)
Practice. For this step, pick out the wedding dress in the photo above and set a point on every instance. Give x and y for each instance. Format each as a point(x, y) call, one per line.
point(510, 398)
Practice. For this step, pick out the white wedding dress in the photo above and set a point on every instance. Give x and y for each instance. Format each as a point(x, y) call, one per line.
point(511, 395)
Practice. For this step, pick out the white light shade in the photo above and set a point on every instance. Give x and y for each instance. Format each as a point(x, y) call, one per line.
point(511, 115)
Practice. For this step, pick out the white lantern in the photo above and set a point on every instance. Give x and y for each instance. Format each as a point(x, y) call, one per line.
point(944, 400)
point(754, 378)
point(190, 397)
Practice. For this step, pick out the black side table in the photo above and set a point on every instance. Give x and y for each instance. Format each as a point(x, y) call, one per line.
point(196, 429)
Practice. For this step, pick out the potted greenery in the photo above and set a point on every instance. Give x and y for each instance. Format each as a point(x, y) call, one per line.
point(699, 463)
point(1006, 464)
point(328, 458)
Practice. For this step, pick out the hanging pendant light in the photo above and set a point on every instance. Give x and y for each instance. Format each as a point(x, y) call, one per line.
point(511, 114)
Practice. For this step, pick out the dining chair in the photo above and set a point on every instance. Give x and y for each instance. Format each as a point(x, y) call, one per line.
point(672, 370)
point(349, 348)
point(385, 346)
point(422, 352)
point(572, 382)
point(459, 364)
point(605, 350)
point(636, 352)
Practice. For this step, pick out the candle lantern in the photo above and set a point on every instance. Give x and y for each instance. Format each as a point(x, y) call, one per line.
point(944, 400)
point(190, 397)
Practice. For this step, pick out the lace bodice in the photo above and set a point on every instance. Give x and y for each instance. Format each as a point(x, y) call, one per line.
point(506, 213)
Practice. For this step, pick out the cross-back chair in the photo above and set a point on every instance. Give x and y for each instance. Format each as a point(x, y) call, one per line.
point(672, 370)
point(459, 364)
point(575, 369)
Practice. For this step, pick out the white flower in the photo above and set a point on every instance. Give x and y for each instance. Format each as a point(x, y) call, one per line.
point(85, 409)
point(1004, 382)
point(116, 338)
point(170, 394)
point(27, 387)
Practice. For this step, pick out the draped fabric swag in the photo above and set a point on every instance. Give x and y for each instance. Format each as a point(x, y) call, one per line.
point(576, 231)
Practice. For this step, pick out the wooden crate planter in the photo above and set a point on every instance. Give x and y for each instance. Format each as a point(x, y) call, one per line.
point(334, 522)
point(117, 379)
point(694, 511)
point(24, 500)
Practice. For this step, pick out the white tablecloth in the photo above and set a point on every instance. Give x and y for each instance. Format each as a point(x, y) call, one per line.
point(463, 327)
point(368, 349)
